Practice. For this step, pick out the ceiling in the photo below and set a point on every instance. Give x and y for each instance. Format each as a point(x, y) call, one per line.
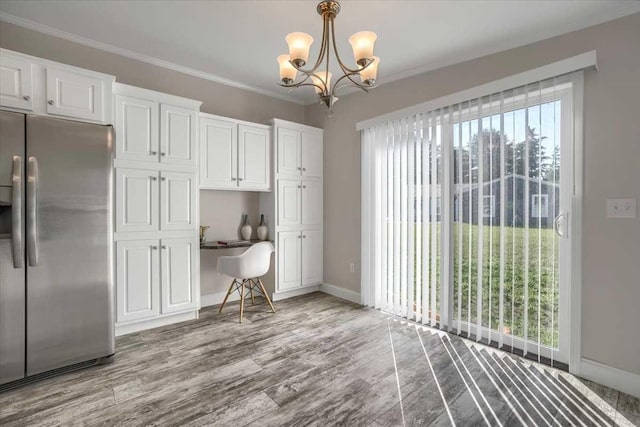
point(237, 42)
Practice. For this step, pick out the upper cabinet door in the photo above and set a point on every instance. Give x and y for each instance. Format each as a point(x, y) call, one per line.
point(138, 281)
point(311, 202)
point(253, 149)
point(288, 152)
point(178, 199)
point(311, 257)
point(179, 286)
point(218, 154)
point(16, 82)
point(178, 135)
point(289, 202)
point(136, 200)
point(312, 155)
point(72, 94)
point(137, 129)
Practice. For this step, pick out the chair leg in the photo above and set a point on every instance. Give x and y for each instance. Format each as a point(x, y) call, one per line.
point(264, 292)
point(242, 300)
point(251, 285)
point(227, 296)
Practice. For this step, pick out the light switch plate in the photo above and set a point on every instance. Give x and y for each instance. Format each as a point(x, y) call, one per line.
point(621, 208)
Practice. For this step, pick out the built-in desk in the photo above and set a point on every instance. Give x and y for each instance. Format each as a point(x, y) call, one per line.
point(216, 245)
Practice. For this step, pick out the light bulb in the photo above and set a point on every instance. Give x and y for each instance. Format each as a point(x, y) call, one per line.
point(322, 79)
point(299, 45)
point(370, 73)
point(362, 44)
point(287, 71)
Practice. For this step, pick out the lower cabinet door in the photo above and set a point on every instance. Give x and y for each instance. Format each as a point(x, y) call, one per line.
point(311, 257)
point(289, 251)
point(138, 279)
point(178, 265)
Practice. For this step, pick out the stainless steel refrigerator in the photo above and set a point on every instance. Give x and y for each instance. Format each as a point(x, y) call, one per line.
point(56, 287)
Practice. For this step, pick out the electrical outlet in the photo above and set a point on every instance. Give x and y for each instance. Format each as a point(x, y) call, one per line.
point(621, 208)
point(352, 267)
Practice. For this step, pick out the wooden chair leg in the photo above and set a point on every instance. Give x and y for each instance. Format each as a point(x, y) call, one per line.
point(242, 300)
point(227, 296)
point(251, 285)
point(264, 291)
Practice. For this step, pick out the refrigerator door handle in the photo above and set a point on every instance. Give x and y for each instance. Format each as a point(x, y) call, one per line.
point(32, 220)
point(16, 213)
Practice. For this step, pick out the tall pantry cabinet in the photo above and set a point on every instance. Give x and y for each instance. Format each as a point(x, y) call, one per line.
point(156, 208)
point(294, 208)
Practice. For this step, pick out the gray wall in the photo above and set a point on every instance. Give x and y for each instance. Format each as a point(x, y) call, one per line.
point(611, 248)
point(220, 209)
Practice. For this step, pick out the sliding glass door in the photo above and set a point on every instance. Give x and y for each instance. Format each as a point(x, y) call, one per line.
point(467, 211)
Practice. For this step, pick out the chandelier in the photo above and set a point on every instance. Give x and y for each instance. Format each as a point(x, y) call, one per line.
point(291, 65)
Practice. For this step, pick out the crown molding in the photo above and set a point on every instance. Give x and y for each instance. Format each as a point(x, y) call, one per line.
point(31, 25)
point(575, 25)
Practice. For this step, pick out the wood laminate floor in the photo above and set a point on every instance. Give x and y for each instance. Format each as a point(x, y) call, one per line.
point(318, 361)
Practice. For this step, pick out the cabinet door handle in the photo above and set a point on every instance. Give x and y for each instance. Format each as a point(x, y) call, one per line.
point(299, 186)
point(304, 169)
point(233, 179)
point(51, 102)
point(299, 236)
point(164, 178)
point(299, 168)
point(26, 97)
point(164, 246)
point(154, 247)
point(304, 186)
point(240, 179)
point(163, 154)
point(304, 236)
point(154, 153)
point(154, 178)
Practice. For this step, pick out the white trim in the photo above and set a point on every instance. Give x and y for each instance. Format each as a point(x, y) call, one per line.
point(137, 326)
point(31, 25)
point(578, 62)
point(216, 299)
point(626, 382)
point(341, 293)
point(277, 296)
point(163, 98)
point(237, 121)
point(277, 123)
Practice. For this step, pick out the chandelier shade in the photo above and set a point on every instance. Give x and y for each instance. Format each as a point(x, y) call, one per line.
point(293, 75)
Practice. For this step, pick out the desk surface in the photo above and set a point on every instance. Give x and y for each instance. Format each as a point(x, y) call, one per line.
point(216, 245)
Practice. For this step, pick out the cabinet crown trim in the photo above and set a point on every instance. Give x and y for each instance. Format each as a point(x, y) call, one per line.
point(237, 121)
point(163, 98)
point(59, 65)
point(295, 126)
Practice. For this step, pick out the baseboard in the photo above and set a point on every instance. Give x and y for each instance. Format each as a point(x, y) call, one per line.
point(129, 328)
point(217, 298)
point(339, 292)
point(277, 296)
point(618, 379)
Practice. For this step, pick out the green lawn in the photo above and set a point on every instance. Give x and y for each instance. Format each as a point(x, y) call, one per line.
point(539, 266)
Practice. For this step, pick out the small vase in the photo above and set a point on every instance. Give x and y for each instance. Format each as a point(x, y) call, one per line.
point(245, 230)
point(263, 230)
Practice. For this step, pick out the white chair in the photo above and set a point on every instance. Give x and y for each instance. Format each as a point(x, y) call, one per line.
point(246, 270)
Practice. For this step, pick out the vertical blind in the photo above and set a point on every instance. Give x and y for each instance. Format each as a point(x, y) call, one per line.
point(459, 206)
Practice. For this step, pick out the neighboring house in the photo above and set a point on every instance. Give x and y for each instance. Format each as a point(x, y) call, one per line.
point(544, 200)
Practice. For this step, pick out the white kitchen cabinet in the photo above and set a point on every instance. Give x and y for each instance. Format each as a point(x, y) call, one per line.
point(218, 153)
point(43, 87)
point(311, 257)
point(311, 155)
point(75, 94)
point(234, 155)
point(253, 158)
point(296, 207)
point(288, 151)
point(177, 135)
point(178, 199)
point(311, 202)
point(16, 83)
point(137, 203)
point(138, 279)
point(137, 129)
point(289, 259)
point(289, 202)
point(179, 290)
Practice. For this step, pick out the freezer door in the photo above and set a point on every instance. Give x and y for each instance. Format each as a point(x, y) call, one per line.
point(70, 297)
point(12, 270)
